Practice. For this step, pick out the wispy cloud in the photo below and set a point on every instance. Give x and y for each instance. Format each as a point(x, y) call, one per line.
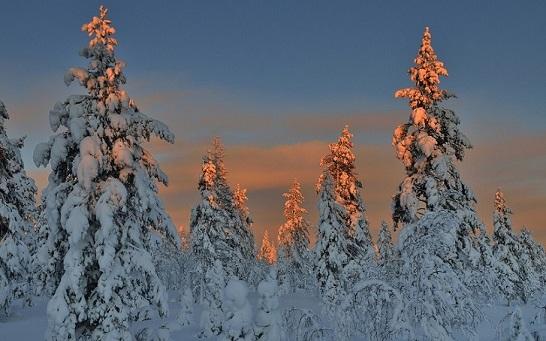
point(267, 172)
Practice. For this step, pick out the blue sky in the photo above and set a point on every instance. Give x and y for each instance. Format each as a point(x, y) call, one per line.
point(291, 56)
point(270, 74)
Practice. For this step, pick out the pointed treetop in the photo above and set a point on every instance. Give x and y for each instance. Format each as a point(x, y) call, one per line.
point(341, 152)
point(267, 252)
point(208, 175)
point(340, 164)
point(294, 230)
point(426, 76)
point(217, 146)
point(103, 77)
point(240, 198)
point(346, 136)
point(500, 203)
point(384, 245)
point(344, 139)
point(294, 200)
point(340, 161)
point(502, 222)
point(217, 153)
point(101, 31)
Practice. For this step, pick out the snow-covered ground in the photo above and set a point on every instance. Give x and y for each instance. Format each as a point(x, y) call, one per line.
point(30, 323)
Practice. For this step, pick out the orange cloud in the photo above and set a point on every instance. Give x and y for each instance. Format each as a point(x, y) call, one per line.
point(267, 171)
point(517, 165)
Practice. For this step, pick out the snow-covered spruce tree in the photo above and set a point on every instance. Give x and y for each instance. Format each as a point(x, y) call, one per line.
point(388, 257)
point(207, 234)
point(265, 259)
point(267, 253)
point(429, 145)
point(224, 217)
point(506, 250)
point(533, 254)
point(240, 199)
point(293, 238)
point(185, 243)
point(332, 254)
point(520, 261)
point(217, 155)
point(340, 164)
point(238, 221)
point(244, 229)
point(212, 314)
point(438, 301)
point(101, 200)
point(385, 246)
point(17, 214)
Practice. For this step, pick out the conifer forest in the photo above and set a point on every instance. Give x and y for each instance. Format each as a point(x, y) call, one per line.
point(91, 247)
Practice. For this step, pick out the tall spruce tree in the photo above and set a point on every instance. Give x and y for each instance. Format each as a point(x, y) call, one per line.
point(445, 255)
point(237, 219)
point(506, 250)
point(388, 258)
point(332, 254)
point(240, 199)
point(17, 214)
point(340, 164)
point(101, 200)
point(267, 253)
point(217, 155)
point(429, 145)
point(207, 234)
point(243, 229)
point(533, 286)
point(533, 254)
point(293, 237)
point(385, 248)
point(224, 216)
point(517, 277)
